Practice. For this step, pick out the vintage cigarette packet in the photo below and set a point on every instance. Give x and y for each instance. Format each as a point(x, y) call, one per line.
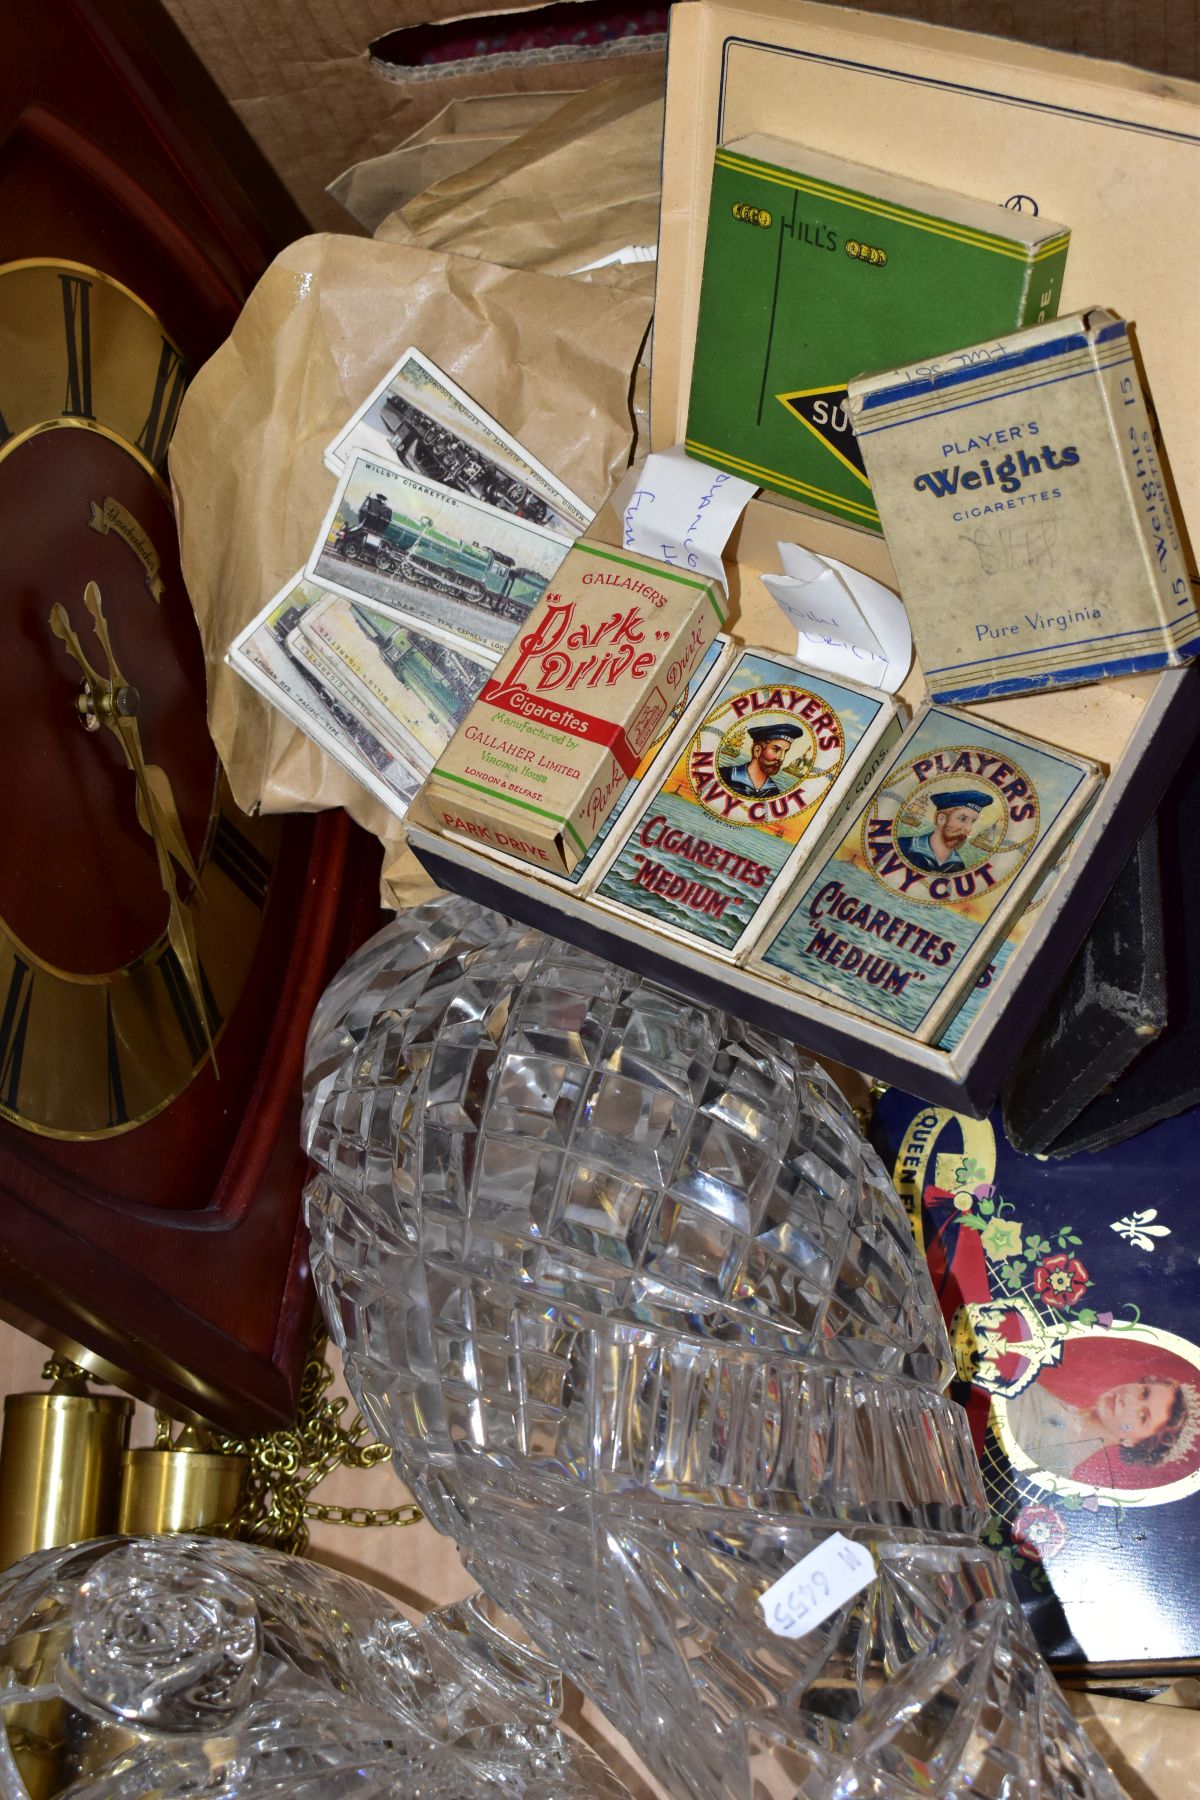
point(441, 561)
point(562, 724)
point(988, 980)
point(655, 761)
point(1024, 506)
point(898, 921)
point(771, 761)
point(816, 269)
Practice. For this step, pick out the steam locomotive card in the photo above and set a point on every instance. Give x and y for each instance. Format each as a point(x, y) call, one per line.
point(428, 557)
point(414, 688)
point(262, 656)
point(418, 419)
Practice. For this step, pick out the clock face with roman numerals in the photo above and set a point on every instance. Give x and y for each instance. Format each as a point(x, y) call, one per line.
point(100, 1025)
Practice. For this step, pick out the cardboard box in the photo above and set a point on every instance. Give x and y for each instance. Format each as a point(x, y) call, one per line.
point(1011, 122)
point(1056, 131)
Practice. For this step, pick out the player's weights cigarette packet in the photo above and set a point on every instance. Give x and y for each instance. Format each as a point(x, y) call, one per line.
point(816, 269)
point(769, 761)
point(900, 919)
point(1023, 502)
point(581, 693)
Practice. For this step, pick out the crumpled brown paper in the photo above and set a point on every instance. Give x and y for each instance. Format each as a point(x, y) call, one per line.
point(572, 189)
point(551, 360)
point(462, 134)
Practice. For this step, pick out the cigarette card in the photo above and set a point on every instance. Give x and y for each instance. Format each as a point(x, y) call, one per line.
point(571, 709)
point(900, 918)
point(1024, 504)
point(418, 419)
point(437, 560)
point(766, 767)
point(326, 670)
point(656, 759)
point(261, 655)
point(418, 687)
point(329, 669)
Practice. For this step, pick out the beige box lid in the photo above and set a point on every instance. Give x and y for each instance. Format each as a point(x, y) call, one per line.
point(1112, 152)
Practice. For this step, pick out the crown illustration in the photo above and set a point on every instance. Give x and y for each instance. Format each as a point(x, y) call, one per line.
point(980, 1343)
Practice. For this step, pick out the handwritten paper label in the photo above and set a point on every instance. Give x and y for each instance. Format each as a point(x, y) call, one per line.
point(845, 621)
point(681, 512)
point(816, 1586)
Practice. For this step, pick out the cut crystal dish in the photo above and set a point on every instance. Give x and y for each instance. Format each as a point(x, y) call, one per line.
point(183, 1666)
point(623, 1285)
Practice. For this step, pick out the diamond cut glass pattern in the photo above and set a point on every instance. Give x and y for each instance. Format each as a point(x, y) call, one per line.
point(182, 1667)
point(644, 1321)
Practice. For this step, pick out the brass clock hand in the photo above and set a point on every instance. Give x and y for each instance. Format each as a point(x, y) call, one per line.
point(93, 697)
point(181, 936)
point(114, 702)
point(166, 827)
point(161, 815)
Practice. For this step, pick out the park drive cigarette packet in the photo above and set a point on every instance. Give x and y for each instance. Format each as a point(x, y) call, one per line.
point(568, 713)
point(765, 768)
point(1024, 506)
point(656, 759)
point(901, 918)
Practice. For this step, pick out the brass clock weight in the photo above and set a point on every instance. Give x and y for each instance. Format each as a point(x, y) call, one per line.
point(67, 1473)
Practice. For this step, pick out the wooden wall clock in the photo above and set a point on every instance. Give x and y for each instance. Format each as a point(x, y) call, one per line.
point(160, 953)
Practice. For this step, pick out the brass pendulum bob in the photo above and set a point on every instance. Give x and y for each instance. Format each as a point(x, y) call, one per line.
point(60, 1473)
point(60, 1463)
point(181, 1484)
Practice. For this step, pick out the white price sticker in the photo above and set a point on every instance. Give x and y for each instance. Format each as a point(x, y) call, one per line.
point(817, 1585)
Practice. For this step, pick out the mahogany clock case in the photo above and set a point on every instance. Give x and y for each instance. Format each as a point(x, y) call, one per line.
point(149, 1205)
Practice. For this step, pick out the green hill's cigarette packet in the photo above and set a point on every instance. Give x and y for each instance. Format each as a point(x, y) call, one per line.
point(771, 759)
point(563, 722)
point(1024, 506)
point(899, 921)
point(816, 269)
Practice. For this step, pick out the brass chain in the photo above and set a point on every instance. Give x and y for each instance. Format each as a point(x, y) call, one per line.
point(330, 1514)
point(283, 1468)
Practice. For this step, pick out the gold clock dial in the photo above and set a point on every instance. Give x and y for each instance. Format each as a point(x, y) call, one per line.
point(78, 347)
point(114, 983)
